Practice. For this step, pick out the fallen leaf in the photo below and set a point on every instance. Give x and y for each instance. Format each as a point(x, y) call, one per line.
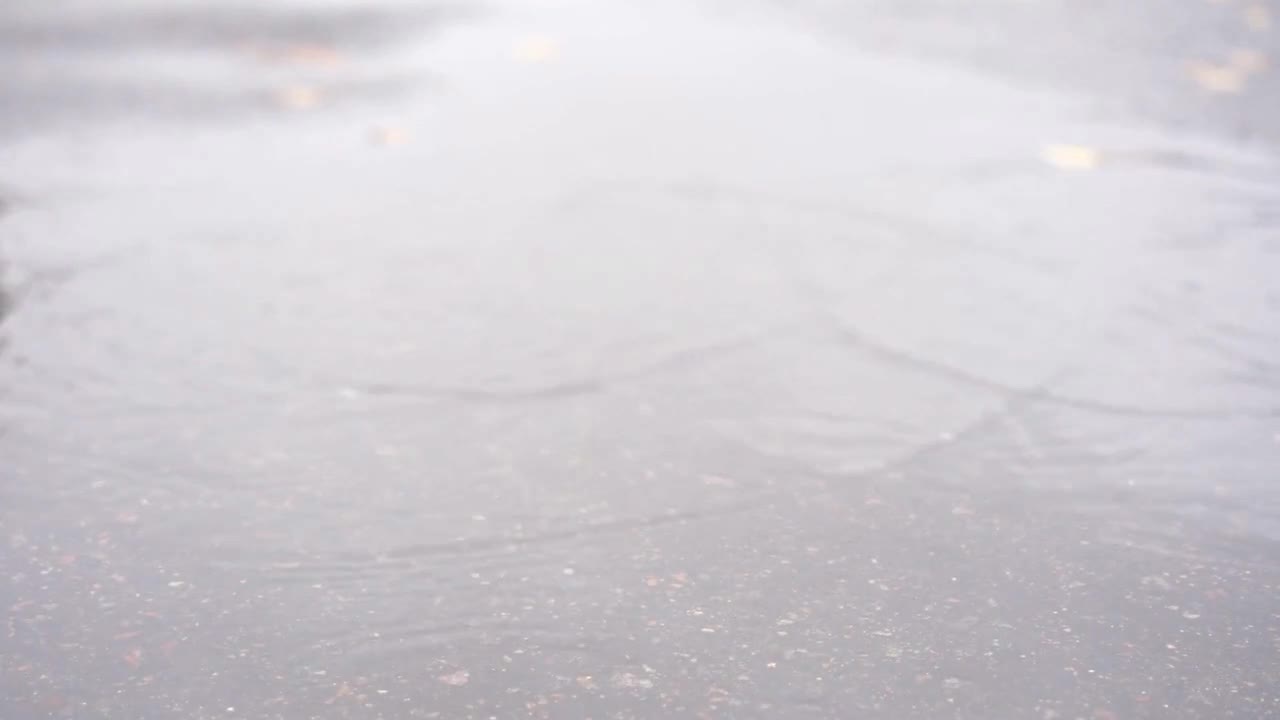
point(1257, 17)
point(344, 690)
point(536, 50)
point(389, 136)
point(297, 97)
point(309, 54)
point(458, 678)
point(1222, 79)
point(1248, 61)
point(1071, 157)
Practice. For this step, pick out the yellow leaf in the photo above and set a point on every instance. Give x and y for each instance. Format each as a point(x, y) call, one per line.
point(297, 97)
point(389, 136)
point(1225, 79)
point(310, 54)
point(1071, 157)
point(1248, 61)
point(1257, 17)
point(536, 50)
point(314, 54)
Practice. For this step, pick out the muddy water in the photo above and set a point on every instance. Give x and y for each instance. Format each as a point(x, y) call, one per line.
point(567, 360)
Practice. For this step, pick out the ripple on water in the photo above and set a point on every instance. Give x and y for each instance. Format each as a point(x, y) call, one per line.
point(574, 409)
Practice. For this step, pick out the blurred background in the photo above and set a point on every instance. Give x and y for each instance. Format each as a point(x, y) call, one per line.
point(554, 359)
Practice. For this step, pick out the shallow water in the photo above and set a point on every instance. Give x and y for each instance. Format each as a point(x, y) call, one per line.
point(592, 360)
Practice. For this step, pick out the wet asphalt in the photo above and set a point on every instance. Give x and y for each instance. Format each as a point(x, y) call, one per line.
point(779, 359)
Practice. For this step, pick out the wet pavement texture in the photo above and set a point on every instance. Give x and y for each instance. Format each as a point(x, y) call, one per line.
point(779, 359)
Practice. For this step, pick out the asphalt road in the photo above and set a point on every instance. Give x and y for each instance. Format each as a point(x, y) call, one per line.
point(609, 360)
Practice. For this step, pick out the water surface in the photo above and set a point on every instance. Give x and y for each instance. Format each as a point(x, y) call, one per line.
point(595, 360)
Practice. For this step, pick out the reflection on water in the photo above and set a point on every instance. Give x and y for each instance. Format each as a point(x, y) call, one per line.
point(1189, 65)
point(76, 62)
point(6, 302)
point(667, 365)
point(6, 299)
